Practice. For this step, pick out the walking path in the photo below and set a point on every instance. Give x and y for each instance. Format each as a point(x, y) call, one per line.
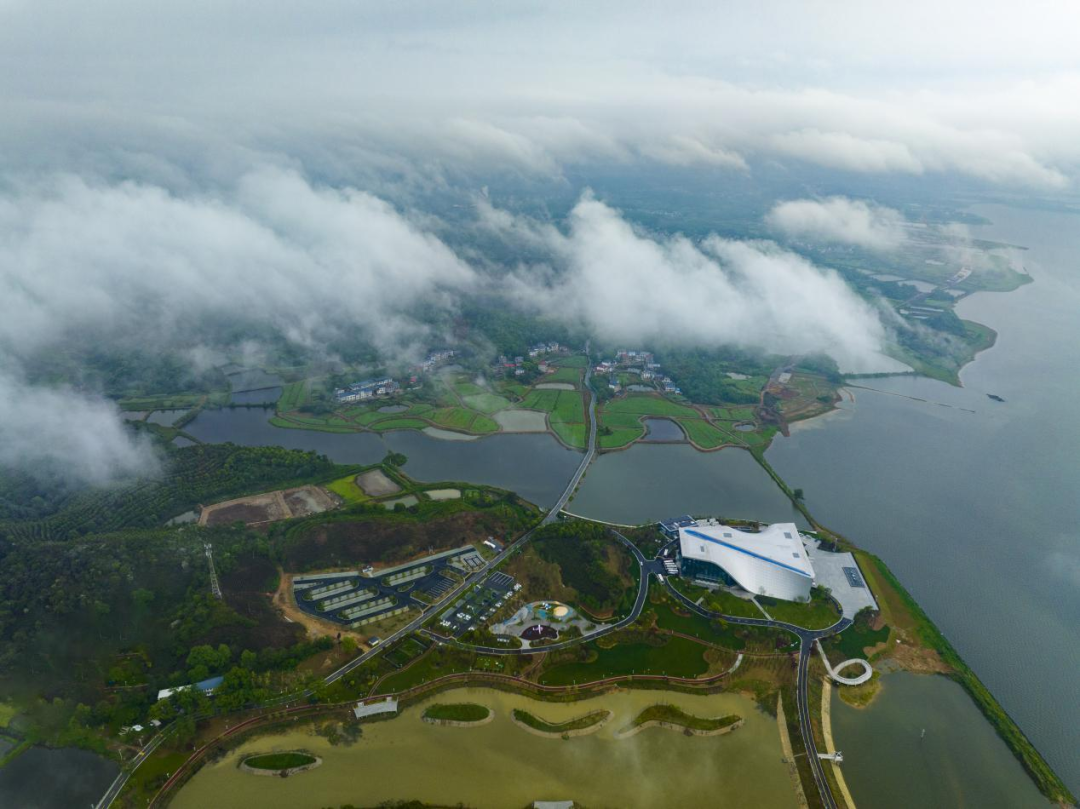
point(826, 729)
point(868, 672)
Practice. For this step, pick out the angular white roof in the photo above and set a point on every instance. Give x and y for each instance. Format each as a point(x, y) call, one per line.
point(771, 562)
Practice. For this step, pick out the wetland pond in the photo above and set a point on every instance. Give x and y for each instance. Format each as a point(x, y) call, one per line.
point(499, 764)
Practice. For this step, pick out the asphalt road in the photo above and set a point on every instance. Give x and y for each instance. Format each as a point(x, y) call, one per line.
point(807, 637)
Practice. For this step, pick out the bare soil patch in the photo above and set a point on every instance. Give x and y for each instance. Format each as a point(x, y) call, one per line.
point(268, 507)
point(375, 483)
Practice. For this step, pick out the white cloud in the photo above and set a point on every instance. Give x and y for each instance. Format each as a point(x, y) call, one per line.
point(841, 220)
point(61, 431)
point(131, 262)
point(624, 285)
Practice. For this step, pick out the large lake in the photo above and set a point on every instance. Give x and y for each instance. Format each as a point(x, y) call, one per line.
point(978, 513)
point(649, 482)
point(501, 765)
point(535, 466)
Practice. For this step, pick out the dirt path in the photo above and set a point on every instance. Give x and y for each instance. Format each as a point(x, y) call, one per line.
point(826, 728)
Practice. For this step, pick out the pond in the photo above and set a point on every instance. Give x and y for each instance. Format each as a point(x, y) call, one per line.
point(536, 466)
point(663, 430)
point(255, 397)
point(650, 482)
point(42, 778)
point(165, 417)
point(500, 765)
point(960, 761)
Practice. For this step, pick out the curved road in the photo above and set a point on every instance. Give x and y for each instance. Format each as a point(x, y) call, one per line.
point(807, 637)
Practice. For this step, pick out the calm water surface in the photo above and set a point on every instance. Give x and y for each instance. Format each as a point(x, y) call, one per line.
point(978, 512)
point(649, 482)
point(536, 466)
point(961, 761)
point(42, 778)
point(500, 765)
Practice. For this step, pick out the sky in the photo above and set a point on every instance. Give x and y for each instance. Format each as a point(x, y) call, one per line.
point(264, 158)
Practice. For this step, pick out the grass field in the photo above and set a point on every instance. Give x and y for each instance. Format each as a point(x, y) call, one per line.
point(619, 438)
point(563, 374)
point(573, 361)
point(457, 712)
point(677, 657)
point(818, 614)
point(647, 404)
point(293, 396)
point(706, 435)
point(279, 761)
point(290, 422)
point(347, 490)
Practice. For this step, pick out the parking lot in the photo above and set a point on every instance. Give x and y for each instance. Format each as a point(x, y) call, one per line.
point(478, 605)
point(354, 598)
point(840, 573)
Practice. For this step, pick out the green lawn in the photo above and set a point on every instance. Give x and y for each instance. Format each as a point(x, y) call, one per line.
point(818, 614)
point(466, 388)
point(619, 438)
point(279, 761)
point(458, 712)
point(347, 490)
point(677, 657)
point(573, 361)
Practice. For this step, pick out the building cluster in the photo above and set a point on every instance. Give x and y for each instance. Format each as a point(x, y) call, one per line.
point(434, 359)
point(541, 349)
point(640, 363)
point(367, 389)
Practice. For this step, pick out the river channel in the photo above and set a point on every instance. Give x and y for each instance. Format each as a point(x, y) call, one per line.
point(975, 505)
point(501, 765)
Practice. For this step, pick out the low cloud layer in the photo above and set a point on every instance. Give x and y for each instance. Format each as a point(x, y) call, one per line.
point(625, 285)
point(58, 431)
point(839, 220)
point(132, 262)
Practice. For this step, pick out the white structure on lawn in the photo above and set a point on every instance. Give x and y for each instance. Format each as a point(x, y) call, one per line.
point(771, 562)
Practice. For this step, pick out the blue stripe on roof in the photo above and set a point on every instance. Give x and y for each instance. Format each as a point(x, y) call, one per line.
point(748, 553)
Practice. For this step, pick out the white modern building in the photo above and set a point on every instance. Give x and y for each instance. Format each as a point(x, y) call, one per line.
point(770, 562)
